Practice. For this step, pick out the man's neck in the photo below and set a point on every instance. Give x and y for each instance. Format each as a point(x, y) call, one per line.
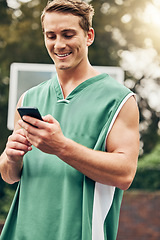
point(71, 78)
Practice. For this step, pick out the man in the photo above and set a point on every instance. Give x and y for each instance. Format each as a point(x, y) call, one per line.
point(74, 166)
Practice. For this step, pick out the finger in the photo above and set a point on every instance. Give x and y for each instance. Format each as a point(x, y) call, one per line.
point(31, 133)
point(18, 146)
point(50, 119)
point(23, 145)
point(30, 121)
point(27, 127)
point(19, 137)
point(21, 132)
point(15, 153)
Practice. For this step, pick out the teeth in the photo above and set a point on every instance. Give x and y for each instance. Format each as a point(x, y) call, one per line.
point(63, 55)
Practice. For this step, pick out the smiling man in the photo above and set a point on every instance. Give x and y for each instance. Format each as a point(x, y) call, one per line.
point(72, 167)
point(66, 42)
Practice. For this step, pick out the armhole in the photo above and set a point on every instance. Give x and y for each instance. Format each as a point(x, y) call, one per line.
point(117, 112)
point(23, 98)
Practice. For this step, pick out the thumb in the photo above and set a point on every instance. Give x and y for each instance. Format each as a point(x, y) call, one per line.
point(48, 118)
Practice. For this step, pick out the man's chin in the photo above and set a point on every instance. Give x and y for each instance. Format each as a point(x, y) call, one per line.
point(63, 68)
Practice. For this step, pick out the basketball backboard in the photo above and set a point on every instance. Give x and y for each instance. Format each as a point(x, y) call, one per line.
point(23, 76)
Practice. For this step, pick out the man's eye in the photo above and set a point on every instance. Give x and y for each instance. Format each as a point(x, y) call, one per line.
point(51, 36)
point(68, 36)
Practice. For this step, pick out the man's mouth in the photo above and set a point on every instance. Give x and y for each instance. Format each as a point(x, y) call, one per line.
point(63, 55)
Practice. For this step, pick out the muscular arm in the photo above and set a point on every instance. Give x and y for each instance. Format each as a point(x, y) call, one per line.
point(11, 160)
point(115, 167)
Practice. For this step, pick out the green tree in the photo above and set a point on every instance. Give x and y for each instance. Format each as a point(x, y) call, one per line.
point(147, 176)
point(5, 20)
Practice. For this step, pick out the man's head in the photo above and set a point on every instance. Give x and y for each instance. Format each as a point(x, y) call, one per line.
point(68, 32)
point(76, 7)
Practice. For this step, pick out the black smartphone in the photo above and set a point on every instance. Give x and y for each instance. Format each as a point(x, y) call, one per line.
point(30, 111)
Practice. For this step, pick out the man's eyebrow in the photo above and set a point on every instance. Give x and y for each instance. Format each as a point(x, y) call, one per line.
point(63, 31)
point(49, 32)
point(69, 30)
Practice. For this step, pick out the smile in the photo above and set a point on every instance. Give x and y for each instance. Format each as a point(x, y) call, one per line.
point(63, 55)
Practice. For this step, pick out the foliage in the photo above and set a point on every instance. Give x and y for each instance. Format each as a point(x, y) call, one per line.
point(5, 20)
point(147, 176)
point(5, 200)
point(146, 179)
point(151, 161)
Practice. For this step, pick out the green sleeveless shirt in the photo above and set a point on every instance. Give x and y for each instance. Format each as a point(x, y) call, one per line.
point(53, 200)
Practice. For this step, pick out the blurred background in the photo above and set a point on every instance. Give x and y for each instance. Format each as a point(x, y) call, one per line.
point(127, 35)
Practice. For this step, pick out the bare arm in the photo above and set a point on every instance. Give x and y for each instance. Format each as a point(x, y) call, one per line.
point(11, 160)
point(118, 165)
point(115, 167)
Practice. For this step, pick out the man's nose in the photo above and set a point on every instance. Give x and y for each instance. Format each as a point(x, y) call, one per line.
point(59, 43)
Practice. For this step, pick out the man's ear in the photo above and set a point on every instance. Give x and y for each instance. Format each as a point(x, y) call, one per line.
point(90, 37)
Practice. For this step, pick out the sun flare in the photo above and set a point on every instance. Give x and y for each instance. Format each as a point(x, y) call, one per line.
point(152, 15)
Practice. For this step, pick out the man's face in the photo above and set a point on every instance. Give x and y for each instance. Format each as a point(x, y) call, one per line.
point(65, 40)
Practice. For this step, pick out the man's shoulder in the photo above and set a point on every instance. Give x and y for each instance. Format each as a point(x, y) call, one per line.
point(43, 85)
point(110, 85)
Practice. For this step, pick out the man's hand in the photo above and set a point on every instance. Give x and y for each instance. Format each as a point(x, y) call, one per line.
point(17, 146)
point(11, 160)
point(46, 135)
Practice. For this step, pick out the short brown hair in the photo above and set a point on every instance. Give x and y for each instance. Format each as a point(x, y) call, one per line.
point(76, 7)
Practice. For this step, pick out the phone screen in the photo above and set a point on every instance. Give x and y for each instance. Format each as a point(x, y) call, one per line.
point(30, 111)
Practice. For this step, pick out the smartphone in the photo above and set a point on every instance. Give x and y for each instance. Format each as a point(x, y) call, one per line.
point(30, 111)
